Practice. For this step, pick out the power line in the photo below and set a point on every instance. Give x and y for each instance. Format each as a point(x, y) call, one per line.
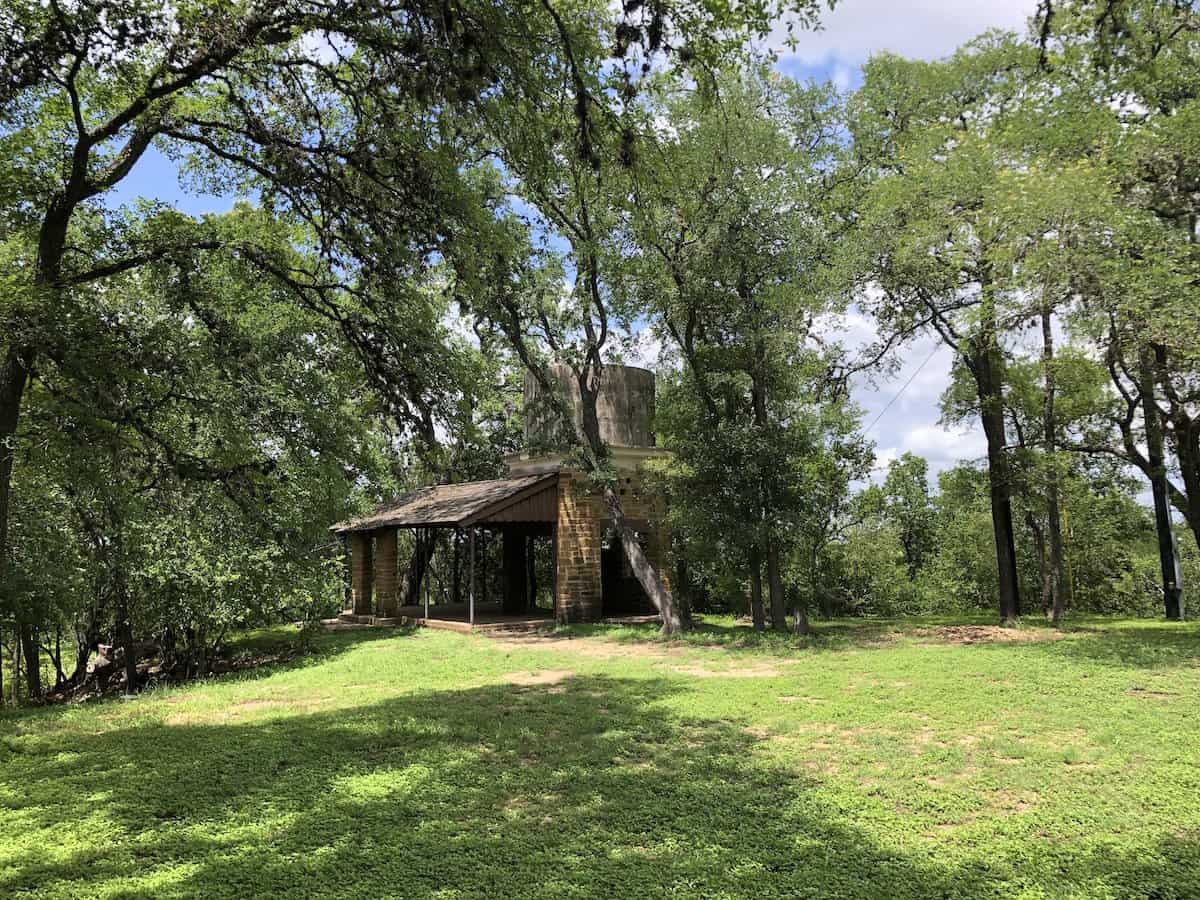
point(875, 421)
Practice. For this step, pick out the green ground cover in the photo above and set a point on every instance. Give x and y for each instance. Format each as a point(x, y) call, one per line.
point(876, 759)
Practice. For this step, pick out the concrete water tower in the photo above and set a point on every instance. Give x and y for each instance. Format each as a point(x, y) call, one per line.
point(624, 406)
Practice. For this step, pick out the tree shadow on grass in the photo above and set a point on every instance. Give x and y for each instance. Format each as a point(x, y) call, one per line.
point(1139, 645)
point(326, 646)
point(585, 787)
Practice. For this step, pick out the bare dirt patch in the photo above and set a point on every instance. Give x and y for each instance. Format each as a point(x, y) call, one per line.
point(1148, 694)
point(985, 634)
point(758, 732)
point(1014, 801)
point(255, 705)
point(600, 648)
point(755, 670)
point(597, 648)
point(532, 679)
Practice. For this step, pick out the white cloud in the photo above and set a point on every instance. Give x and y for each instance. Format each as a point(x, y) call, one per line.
point(842, 77)
point(644, 350)
point(460, 325)
point(944, 445)
point(926, 29)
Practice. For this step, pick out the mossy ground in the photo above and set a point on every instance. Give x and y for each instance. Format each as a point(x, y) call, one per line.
point(895, 759)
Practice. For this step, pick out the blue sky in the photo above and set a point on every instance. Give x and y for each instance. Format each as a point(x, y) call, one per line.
point(851, 33)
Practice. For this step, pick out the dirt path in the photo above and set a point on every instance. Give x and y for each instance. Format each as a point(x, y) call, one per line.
point(681, 658)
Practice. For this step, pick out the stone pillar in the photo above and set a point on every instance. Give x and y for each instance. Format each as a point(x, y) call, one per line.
point(658, 543)
point(658, 552)
point(516, 588)
point(361, 572)
point(577, 552)
point(347, 574)
point(385, 572)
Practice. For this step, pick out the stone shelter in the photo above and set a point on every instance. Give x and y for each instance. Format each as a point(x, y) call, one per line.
point(543, 498)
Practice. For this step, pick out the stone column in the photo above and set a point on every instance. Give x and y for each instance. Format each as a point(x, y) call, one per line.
point(658, 552)
point(658, 541)
point(577, 552)
point(386, 572)
point(361, 572)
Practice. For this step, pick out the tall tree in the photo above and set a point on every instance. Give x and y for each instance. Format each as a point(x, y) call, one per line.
point(1132, 63)
point(190, 449)
point(932, 237)
point(524, 301)
point(906, 492)
point(733, 218)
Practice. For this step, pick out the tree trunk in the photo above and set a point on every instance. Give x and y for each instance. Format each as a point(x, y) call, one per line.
point(87, 639)
point(14, 376)
point(33, 660)
point(1172, 599)
point(1053, 578)
point(60, 677)
point(775, 587)
point(757, 615)
point(16, 679)
point(1043, 561)
point(800, 620)
point(758, 401)
point(986, 367)
point(684, 588)
point(825, 601)
point(200, 653)
point(83, 653)
point(1187, 501)
point(418, 564)
point(124, 628)
point(648, 578)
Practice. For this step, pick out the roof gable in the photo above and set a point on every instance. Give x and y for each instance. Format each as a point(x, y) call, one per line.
point(467, 503)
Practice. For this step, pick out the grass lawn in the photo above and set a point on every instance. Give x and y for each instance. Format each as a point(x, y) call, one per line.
point(876, 759)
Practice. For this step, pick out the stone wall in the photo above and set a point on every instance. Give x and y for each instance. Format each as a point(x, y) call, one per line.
point(362, 573)
point(386, 571)
point(578, 540)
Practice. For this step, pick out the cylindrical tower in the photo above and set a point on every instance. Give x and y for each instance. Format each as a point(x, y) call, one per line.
point(624, 406)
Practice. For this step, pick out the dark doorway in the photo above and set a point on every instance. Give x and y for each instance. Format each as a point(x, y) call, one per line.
point(620, 592)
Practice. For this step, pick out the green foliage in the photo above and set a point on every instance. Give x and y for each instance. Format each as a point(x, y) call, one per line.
point(187, 455)
point(447, 199)
point(906, 490)
point(1111, 556)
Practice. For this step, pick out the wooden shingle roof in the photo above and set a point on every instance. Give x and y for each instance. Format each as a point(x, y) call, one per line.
point(526, 498)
